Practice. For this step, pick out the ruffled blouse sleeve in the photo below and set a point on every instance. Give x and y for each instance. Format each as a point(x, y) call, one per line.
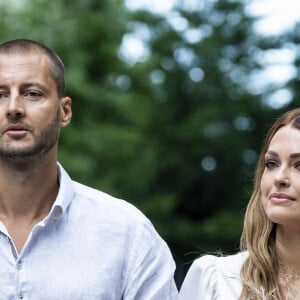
point(200, 281)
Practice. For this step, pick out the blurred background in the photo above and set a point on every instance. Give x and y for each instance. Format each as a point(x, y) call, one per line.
point(171, 101)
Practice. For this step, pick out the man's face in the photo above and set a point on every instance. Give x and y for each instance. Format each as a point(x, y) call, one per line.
point(30, 111)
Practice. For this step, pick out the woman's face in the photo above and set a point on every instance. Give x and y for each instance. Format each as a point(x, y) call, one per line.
point(280, 182)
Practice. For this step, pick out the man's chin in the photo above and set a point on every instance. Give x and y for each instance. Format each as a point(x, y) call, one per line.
point(17, 154)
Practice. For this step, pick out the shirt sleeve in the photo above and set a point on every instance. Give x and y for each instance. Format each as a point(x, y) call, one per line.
point(200, 281)
point(152, 272)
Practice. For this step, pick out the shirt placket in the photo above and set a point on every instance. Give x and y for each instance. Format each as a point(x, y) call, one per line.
point(13, 285)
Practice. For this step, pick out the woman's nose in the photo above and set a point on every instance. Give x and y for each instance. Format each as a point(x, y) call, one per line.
point(282, 177)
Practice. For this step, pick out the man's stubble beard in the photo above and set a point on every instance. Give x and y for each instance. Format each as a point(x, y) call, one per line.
point(43, 143)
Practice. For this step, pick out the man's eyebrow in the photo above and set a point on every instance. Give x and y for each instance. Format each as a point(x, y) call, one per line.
point(26, 85)
point(34, 84)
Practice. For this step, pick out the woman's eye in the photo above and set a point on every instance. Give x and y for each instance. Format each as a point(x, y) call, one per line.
point(271, 164)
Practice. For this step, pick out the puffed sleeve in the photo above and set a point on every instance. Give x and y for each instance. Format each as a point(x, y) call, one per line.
point(200, 281)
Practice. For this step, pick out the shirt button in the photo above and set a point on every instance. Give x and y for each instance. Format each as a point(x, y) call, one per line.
point(19, 265)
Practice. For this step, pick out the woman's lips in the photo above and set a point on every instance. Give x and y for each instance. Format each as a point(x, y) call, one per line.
point(280, 198)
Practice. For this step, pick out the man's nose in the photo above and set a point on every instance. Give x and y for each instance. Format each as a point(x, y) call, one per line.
point(15, 106)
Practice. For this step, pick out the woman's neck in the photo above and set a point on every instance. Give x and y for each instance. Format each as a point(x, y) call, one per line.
point(288, 249)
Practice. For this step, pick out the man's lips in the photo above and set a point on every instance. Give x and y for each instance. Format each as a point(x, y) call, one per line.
point(281, 198)
point(16, 130)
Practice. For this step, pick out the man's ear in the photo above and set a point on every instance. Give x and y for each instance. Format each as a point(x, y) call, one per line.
point(66, 111)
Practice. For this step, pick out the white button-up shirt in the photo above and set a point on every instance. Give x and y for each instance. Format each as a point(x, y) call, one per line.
point(90, 246)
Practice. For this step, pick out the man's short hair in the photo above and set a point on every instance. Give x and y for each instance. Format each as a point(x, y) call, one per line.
point(22, 46)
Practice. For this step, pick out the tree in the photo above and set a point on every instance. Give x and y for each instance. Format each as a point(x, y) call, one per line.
point(206, 124)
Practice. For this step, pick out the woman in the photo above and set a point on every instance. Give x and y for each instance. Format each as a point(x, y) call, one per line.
point(268, 266)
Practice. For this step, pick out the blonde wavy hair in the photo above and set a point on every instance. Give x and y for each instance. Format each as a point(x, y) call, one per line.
point(259, 272)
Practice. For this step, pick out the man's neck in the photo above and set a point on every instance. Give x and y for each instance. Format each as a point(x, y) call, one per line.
point(27, 192)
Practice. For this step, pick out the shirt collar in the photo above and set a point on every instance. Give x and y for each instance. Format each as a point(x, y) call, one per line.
point(65, 194)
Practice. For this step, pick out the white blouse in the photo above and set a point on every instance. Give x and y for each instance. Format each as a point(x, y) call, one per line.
point(214, 278)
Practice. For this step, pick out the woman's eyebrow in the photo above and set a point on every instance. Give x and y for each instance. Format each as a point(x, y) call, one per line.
point(295, 155)
point(272, 153)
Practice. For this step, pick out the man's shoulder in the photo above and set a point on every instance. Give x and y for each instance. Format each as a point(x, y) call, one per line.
point(96, 201)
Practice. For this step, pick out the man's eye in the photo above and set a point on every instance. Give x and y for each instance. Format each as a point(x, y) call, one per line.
point(3, 95)
point(32, 94)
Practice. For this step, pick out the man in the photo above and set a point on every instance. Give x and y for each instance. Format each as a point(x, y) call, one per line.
point(60, 239)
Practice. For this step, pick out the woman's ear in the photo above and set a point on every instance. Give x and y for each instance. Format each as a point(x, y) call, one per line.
point(66, 111)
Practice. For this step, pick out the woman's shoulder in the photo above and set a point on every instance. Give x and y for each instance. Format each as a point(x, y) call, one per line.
point(231, 263)
point(214, 277)
point(225, 264)
point(200, 280)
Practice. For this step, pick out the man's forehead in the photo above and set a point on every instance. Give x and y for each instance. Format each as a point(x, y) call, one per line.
point(20, 68)
point(19, 59)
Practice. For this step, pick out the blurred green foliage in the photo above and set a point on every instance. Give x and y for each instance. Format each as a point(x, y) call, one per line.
point(176, 134)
